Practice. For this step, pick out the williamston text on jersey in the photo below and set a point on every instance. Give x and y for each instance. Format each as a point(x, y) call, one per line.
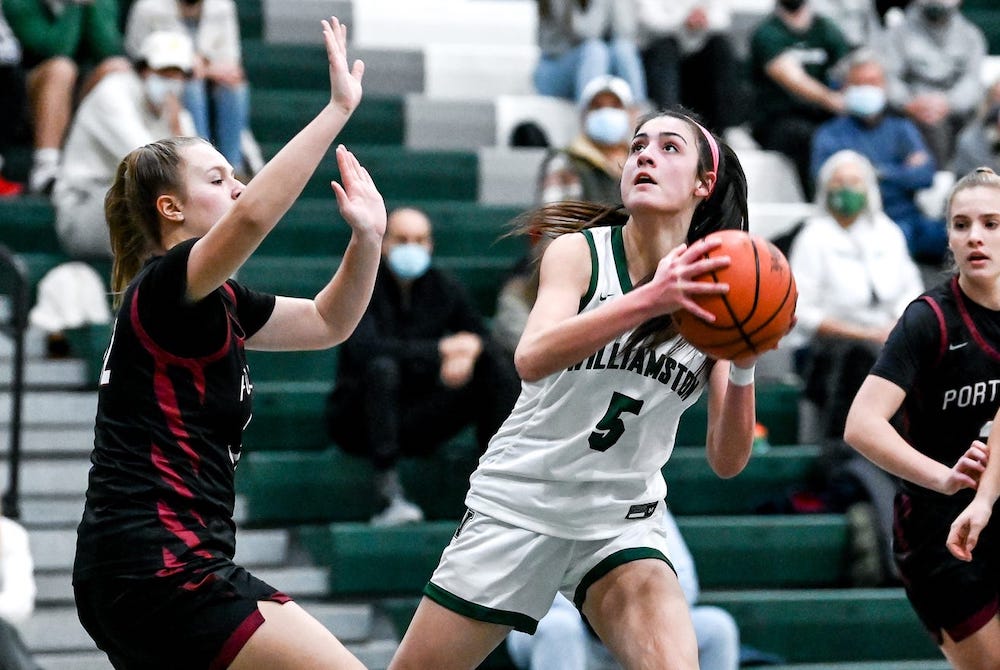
point(644, 361)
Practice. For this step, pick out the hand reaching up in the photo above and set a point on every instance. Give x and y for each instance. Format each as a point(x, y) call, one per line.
point(345, 85)
point(358, 198)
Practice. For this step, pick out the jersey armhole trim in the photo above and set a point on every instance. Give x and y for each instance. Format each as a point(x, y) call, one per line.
point(942, 328)
point(592, 288)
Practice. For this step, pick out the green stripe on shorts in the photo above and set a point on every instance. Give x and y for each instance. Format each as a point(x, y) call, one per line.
point(610, 563)
point(521, 622)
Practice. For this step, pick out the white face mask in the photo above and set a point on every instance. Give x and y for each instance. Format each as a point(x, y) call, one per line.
point(607, 125)
point(864, 101)
point(159, 87)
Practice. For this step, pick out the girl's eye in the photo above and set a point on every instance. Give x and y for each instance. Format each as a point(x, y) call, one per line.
point(217, 181)
point(669, 147)
point(636, 147)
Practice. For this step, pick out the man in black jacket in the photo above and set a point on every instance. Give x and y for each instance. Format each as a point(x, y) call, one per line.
point(419, 367)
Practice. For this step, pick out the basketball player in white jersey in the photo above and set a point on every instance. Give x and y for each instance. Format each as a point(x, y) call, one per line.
point(569, 495)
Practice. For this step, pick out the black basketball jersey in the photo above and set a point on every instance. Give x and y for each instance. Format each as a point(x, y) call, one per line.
point(945, 353)
point(174, 398)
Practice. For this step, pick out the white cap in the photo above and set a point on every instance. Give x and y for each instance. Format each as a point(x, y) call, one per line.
point(606, 82)
point(166, 48)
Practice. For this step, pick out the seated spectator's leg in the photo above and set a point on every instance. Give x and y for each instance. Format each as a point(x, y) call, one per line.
point(50, 95)
point(80, 222)
point(627, 64)
point(556, 75)
point(104, 68)
point(594, 61)
point(853, 361)
point(792, 136)
point(718, 638)
point(560, 641)
point(493, 391)
point(232, 111)
point(196, 103)
point(432, 416)
point(708, 84)
point(661, 61)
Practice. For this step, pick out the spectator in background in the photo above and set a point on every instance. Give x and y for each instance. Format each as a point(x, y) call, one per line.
point(419, 367)
point(64, 42)
point(217, 94)
point(857, 19)
point(13, 95)
point(855, 276)
point(792, 53)
point(564, 642)
point(126, 109)
point(688, 57)
point(933, 63)
point(582, 39)
point(590, 167)
point(979, 143)
point(17, 595)
point(894, 146)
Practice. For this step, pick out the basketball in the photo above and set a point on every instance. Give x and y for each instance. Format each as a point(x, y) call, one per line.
point(759, 307)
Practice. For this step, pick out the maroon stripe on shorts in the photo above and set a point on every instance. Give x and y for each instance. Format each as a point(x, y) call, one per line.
point(242, 634)
point(974, 622)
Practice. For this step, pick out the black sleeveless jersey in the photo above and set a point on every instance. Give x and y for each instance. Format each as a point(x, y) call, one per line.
point(945, 353)
point(174, 398)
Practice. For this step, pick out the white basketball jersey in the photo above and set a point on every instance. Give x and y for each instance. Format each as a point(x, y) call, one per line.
point(580, 454)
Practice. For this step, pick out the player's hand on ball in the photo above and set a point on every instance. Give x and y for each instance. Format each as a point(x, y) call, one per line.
point(676, 273)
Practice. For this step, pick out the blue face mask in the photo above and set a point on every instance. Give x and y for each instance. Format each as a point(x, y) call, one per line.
point(607, 125)
point(864, 101)
point(409, 261)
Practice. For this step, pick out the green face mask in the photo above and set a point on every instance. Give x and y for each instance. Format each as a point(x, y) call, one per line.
point(846, 201)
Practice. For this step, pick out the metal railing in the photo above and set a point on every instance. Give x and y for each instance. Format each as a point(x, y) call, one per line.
point(15, 284)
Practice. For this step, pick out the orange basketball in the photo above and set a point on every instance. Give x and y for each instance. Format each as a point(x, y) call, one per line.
point(759, 307)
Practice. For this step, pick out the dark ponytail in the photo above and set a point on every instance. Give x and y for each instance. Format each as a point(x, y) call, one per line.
point(130, 205)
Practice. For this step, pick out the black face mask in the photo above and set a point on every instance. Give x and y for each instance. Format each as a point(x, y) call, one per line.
point(791, 5)
point(935, 13)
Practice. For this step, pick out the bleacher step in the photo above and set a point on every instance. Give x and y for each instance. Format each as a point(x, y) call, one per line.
point(55, 408)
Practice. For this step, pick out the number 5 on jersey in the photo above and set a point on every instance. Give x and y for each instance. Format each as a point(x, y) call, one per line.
point(610, 427)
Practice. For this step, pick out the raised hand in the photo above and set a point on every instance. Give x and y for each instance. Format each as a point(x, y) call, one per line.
point(345, 85)
point(358, 198)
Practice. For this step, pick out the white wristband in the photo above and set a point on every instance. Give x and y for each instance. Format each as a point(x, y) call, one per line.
point(741, 376)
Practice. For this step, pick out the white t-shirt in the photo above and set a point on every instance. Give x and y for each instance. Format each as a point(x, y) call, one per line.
point(111, 121)
point(581, 452)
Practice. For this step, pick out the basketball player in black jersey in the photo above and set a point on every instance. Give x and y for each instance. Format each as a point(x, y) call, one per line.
point(154, 577)
point(924, 414)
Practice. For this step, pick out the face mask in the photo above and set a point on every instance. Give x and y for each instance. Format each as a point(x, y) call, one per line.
point(937, 13)
point(864, 101)
point(158, 88)
point(409, 261)
point(791, 5)
point(846, 201)
point(607, 125)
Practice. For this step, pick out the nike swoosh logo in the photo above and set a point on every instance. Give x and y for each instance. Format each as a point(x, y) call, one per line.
point(604, 296)
point(952, 347)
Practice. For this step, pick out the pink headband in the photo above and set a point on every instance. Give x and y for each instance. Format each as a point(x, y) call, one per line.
point(712, 144)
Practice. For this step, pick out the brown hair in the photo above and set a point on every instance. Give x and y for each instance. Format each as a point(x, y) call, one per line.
point(130, 205)
point(724, 208)
point(981, 176)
